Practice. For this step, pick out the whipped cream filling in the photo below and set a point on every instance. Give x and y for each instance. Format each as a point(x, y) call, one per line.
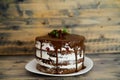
point(47, 45)
point(62, 67)
point(61, 58)
point(38, 45)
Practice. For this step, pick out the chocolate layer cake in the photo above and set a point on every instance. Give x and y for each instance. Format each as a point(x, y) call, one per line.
point(60, 52)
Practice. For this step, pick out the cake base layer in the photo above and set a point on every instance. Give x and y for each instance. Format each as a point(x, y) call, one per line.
point(58, 70)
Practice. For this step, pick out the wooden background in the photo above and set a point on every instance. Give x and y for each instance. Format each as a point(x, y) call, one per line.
point(22, 20)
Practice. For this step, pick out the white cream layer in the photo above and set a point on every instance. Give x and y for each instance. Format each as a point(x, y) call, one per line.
point(61, 58)
point(47, 45)
point(62, 67)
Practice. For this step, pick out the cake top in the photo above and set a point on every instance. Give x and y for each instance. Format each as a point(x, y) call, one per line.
point(60, 35)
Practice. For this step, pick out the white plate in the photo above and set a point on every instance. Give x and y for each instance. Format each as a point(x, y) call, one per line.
point(31, 66)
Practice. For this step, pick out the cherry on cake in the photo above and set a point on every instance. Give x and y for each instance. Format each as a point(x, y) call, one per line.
point(60, 52)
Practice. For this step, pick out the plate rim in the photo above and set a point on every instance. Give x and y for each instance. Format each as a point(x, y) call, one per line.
point(33, 63)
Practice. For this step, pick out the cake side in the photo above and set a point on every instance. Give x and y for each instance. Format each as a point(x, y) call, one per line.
point(61, 55)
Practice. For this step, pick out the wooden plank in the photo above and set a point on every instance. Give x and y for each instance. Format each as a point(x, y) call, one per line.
point(73, 12)
point(90, 32)
point(42, 7)
point(102, 38)
point(106, 65)
point(79, 3)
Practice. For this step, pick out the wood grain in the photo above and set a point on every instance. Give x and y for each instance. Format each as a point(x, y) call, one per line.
point(22, 21)
point(106, 66)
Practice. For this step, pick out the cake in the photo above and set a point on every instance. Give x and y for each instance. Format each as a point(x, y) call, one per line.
point(60, 52)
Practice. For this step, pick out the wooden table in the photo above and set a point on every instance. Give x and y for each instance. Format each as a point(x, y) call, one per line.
point(106, 67)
